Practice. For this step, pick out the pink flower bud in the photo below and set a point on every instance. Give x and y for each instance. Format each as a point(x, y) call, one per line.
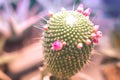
point(95, 28)
point(95, 40)
point(80, 45)
point(88, 41)
point(80, 8)
point(99, 34)
point(87, 12)
point(93, 35)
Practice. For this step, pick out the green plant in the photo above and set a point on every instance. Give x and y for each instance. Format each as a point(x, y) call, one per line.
point(16, 17)
point(68, 41)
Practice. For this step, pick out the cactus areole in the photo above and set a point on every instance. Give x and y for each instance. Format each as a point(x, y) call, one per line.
point(68, 42)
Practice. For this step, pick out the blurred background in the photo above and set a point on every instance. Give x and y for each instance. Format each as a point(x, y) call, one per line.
point(21, 55)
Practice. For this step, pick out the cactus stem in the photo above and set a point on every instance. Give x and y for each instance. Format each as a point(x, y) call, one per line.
point(95, 40)
point(93, 35)
point(62, 78)
point(70, 35)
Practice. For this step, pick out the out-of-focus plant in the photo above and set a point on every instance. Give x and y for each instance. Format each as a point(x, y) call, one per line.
point(16, 17)
point(112, 11)
point(115, 39)
point(112, 39)
point(115, 36)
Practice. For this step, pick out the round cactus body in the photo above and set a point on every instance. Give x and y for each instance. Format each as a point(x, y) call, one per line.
point(68, 42)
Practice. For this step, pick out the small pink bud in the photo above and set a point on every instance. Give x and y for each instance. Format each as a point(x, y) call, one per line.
point(93, 35)
point(87, 12)
point(64, 43)
point(88, 41)
point(95, 40)
point(57, 45)
point(45, 27)
point(51, 13)
point(80, 8)
point(80, 45)
point(95, 28)
point(99, 34)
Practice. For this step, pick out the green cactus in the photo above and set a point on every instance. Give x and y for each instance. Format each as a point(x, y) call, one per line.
point(68, 42)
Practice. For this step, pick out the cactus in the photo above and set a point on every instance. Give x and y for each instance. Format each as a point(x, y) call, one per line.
point(68, 41)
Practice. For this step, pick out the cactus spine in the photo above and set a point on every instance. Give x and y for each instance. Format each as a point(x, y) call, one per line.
point(68, 42)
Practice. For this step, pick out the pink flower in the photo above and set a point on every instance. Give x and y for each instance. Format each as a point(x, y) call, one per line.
point(95, 40)
point(57, 45)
